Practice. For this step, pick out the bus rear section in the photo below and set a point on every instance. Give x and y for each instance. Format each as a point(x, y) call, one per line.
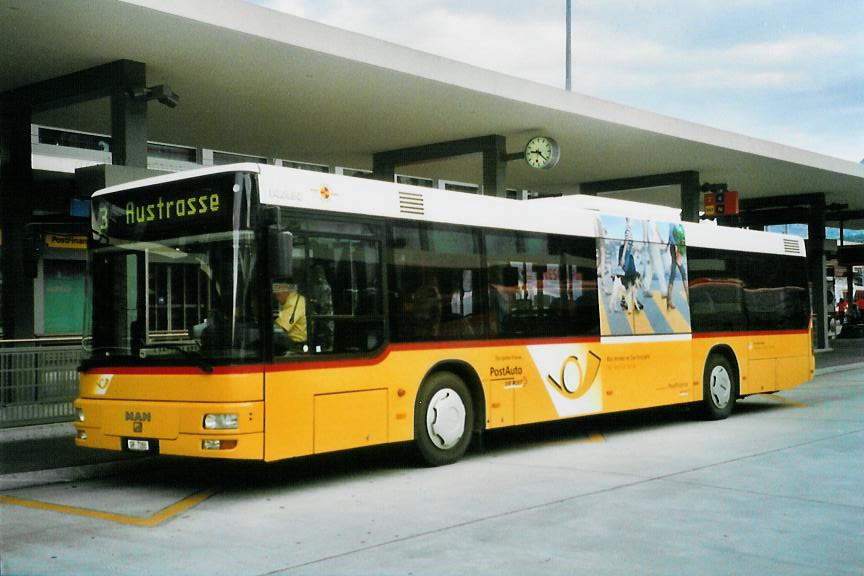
point(750, 308)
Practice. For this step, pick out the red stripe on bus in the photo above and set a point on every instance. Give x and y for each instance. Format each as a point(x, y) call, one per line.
point(174, 370)
point(748, 334)
point(420, 346)
point(492, 343)
point(314, 364)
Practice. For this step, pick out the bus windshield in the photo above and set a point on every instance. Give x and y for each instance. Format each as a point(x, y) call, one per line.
point(159, 297)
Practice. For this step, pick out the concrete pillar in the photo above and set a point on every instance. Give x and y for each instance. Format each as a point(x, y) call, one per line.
point(495, 167)
point(691, 196)
point(16, 210)
point(129, 116)
point(383, 171)
point(850, 269)
point(816, 271)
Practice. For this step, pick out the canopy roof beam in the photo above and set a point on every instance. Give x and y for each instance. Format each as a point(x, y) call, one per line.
point(688, 180)
point(492, 147)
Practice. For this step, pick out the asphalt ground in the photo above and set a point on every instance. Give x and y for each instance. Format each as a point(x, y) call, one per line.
point(775, 489)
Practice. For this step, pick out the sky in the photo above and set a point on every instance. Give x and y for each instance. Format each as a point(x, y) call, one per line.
point(786, 71)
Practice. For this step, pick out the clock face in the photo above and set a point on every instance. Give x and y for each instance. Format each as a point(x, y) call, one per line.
point(541, 152)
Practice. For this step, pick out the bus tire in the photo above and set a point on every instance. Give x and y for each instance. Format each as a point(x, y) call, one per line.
point(719, 387)
point(443, 419)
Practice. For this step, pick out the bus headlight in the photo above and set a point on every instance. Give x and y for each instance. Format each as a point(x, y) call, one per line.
point(220, 422)
point(79, 414)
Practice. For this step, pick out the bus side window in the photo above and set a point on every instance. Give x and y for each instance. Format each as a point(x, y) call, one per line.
point(344, 291)
point(580, 285)
point(434, 278)
point(525, 289)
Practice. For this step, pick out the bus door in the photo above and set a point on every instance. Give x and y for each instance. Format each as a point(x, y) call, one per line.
point(324, 390)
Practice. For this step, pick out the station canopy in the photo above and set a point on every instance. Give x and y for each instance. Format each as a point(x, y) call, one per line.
point(255, 81)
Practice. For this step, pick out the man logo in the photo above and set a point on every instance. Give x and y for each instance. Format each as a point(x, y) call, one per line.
point(137, 416)
point(137, 419)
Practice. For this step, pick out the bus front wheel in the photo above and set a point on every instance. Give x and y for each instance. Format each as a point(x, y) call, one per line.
point(443, 419)
point(719, 387)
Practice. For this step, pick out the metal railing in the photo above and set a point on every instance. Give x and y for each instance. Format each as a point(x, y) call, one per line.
point(38, 380)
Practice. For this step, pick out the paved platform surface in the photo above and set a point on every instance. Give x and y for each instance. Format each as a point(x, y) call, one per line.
point(775, 489)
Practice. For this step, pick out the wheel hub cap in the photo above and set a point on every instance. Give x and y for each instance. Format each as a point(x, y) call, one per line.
point(720, 387)
point(445, 418)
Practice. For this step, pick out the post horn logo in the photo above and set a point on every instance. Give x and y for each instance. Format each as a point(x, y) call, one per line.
point(103, 383)
point(573, 381)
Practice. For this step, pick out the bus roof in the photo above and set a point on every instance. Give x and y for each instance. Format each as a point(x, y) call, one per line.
point(616, 207)
point(183, 175)
point(569, 215)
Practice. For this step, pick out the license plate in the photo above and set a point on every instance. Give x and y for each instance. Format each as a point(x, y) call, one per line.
point(138, 445)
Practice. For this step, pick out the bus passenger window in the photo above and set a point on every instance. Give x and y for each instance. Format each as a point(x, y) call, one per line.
point(290, 324)
point(579, 281)
point(434, 283)
point(344, 294)
point(321, 309)
point(337, 273)
point(525, 288)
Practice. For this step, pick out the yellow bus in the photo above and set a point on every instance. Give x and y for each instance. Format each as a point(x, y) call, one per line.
point(259, 312)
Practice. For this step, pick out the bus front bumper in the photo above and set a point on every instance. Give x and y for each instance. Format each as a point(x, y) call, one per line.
point(230, 430)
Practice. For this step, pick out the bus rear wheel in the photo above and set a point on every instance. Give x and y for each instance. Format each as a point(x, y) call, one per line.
point(719, 387)
point(443, 419)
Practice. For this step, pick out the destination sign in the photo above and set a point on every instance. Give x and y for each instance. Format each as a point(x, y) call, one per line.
point(181, 208)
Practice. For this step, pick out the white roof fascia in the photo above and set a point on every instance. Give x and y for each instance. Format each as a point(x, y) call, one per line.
point(291, 30)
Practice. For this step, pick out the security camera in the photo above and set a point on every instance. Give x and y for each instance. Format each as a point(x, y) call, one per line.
point(162, 93)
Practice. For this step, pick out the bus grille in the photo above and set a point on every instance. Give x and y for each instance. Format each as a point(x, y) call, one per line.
point(411, 203)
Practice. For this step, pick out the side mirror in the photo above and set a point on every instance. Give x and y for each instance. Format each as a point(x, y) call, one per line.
point(280, 247)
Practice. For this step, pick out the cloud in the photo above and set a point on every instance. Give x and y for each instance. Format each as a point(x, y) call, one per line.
point(789, 50)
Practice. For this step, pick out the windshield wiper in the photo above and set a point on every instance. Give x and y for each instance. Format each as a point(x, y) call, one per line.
point(193, 355)
point(96, 355)
point(101, 237)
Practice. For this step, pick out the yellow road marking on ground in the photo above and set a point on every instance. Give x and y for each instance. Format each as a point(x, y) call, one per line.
point(147, 522)
point(590, 437)
point(783, 400)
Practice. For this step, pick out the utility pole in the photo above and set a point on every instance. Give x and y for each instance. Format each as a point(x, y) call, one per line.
point(568, 65)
